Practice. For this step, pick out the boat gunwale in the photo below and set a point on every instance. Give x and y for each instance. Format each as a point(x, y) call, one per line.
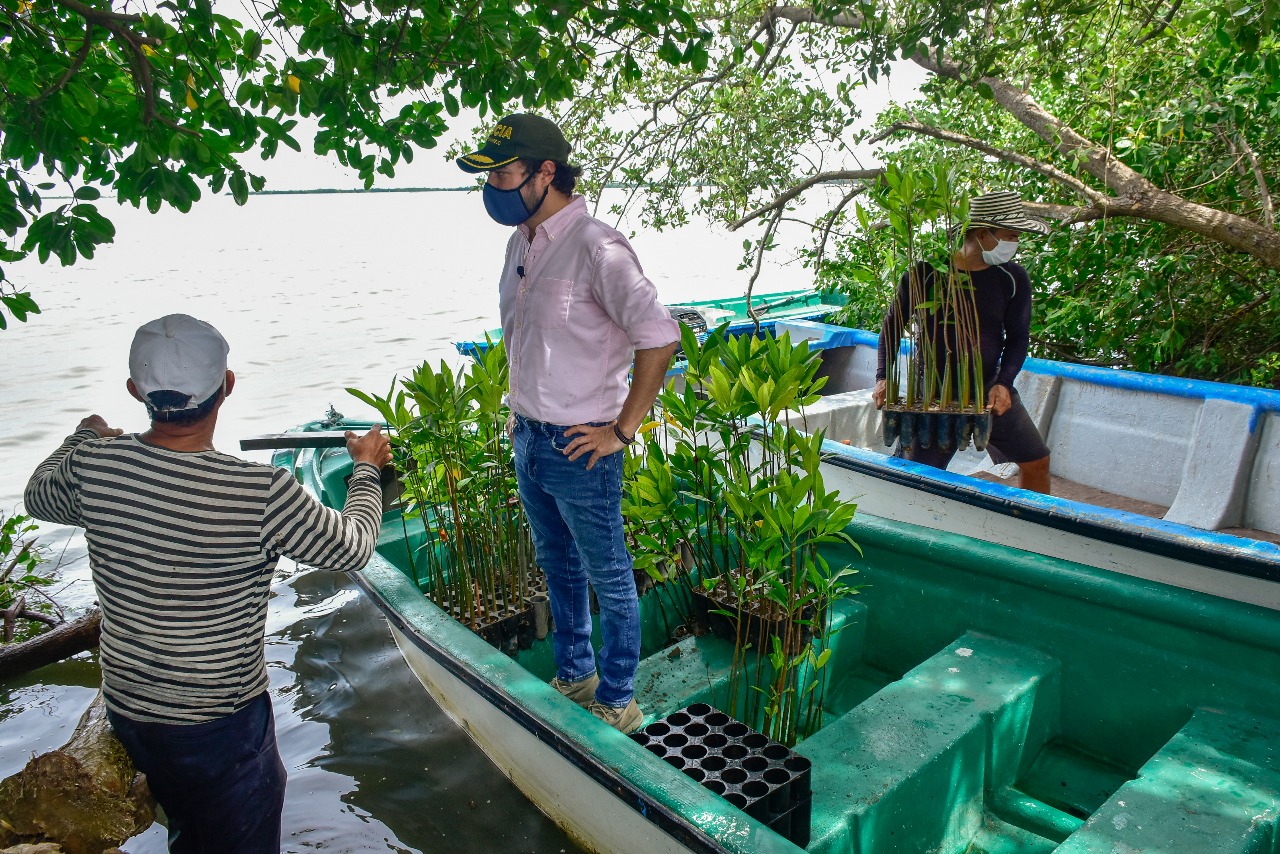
point(1211, 550)
point(584, 757)
point(1232, 620)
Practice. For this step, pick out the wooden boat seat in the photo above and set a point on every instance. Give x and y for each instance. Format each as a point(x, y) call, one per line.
point(913, 768)
point(1215, 786)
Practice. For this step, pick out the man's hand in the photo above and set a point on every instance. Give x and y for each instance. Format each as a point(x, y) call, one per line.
point(511, 427)
point(999, 399)
point(599, 441)
point(880, 394)
point(98, 424)
point(372, 447)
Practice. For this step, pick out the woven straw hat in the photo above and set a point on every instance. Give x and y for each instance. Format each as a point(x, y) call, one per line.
point(1003, 209)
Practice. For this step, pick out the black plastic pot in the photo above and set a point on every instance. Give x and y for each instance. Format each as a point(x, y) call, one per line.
point(722, 620)
point(907, 434)
point(890, 426)
point(510, 632)
point(963, 427)
point(926, 423)
point(981, 430)
point(761, 777)
point(945, 431)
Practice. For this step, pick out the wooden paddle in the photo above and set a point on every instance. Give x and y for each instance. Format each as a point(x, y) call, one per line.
point(314, 439)
point(392, 486)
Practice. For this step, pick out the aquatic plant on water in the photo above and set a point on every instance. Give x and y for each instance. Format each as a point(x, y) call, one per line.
point(936, 394)
point(473, 555)
point(729, 507)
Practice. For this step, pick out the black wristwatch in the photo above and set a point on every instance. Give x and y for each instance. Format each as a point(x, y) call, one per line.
point(622, 437)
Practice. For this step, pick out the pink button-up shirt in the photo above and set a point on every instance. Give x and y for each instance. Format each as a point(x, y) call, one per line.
point(573, 321)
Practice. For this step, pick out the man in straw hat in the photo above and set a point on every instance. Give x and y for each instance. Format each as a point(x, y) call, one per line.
point(1002, 296)
point(183, 541)
point(576, 310)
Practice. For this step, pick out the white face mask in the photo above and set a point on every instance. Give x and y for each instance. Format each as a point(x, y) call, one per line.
point(1004, 252)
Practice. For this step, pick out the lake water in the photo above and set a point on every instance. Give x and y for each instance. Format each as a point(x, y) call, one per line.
point(315, 293)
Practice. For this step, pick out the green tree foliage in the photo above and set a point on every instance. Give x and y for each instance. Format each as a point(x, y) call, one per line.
point(1149, 129)
point(160, 102)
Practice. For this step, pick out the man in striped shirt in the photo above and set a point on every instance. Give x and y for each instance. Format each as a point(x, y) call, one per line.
point(183, 541)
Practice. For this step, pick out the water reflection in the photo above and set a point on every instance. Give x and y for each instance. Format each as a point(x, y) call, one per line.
point(315, 294)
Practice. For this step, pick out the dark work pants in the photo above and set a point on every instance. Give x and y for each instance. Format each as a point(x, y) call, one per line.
point(221, 783)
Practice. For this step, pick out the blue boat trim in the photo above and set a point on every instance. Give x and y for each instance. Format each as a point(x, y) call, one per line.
point(661, 816)
point(1223, 552)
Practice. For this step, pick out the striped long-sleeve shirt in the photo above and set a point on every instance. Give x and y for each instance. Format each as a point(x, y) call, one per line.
point(182, 547)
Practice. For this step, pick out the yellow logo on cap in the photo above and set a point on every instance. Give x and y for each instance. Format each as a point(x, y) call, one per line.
point(501, 131)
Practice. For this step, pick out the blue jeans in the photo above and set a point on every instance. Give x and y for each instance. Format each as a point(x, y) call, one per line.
point(221, 783)
point(576, 519)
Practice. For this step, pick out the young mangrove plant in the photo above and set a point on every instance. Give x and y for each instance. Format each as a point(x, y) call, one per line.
point(469, 544)
point(934, 391)
point(743, 499)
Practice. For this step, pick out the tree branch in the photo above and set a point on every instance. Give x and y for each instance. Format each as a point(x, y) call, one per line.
point(1065, 214)
point(76, 63)
point(812, 181)
point(1264, 194)
point(120, 25)
point(1067, 354)
point(755, 274)
point(1230, 320)
point(831, 221)
point(1160, 27)
point(103, 17)
point(1049, 171)
point(36, 616)
point(801, 15)
point(1135, 195)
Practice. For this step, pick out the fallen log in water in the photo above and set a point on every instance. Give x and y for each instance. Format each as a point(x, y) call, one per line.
point(62, 641)
point(86, 796)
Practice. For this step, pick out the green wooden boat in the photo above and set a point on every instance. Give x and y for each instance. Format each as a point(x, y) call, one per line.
point(982, 699)
point(704, 315)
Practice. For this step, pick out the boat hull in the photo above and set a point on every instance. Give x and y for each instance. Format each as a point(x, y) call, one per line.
point(586, 810)
point(1117, 542)
point(591, 780)
point(1205, 451)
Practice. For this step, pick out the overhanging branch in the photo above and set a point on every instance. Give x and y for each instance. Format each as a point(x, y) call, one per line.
point(1126, 192)
point(801, 15)
point(812, 181)
point(102, 17)
point(1066, 214)
point(1003, 154)
point(77, 63)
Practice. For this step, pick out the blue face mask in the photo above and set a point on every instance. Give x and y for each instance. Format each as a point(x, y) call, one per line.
point(507, 207)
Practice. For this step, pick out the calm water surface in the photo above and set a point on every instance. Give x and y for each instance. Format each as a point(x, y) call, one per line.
point(315, 294)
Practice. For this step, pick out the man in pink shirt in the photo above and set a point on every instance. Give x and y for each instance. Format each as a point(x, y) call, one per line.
point(577, 310)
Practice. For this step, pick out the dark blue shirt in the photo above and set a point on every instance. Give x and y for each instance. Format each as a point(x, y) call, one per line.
point(1002, 294)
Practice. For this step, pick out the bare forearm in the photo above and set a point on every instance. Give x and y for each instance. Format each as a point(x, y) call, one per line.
point(647, 376)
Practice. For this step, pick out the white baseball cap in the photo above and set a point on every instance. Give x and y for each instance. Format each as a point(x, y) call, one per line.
point(180, 354)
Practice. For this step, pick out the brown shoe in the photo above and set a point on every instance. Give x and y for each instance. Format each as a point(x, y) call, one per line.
point(582, 692)
point(623, 718)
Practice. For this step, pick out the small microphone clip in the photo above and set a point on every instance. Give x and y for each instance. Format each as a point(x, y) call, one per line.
point(520, 271)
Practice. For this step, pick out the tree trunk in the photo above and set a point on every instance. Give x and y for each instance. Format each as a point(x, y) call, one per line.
point(85, 796)
point(65, 640)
